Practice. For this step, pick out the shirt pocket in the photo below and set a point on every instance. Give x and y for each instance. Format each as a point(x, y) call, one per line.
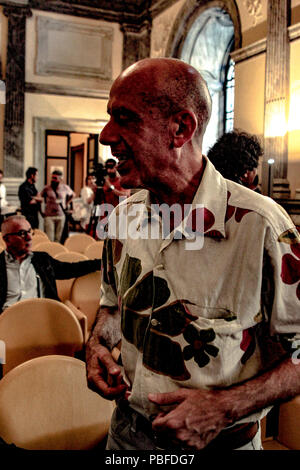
point(214, 346)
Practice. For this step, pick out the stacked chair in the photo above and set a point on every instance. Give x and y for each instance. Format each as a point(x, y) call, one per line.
point(64, 286)
point(288, 435)
point(94, 251)
point(52, 248)
point(78, 242)
point(37, 327)
point(45, 404)
point(84, 300)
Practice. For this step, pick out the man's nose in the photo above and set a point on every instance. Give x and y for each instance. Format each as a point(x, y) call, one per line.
point(28, 235)
point(109, 134)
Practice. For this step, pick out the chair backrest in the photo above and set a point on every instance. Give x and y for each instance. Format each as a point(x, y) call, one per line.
point(64, 285)
point(85, 295)
point(38, 239)
point(94, 251)
point(37, 327)
point(79, 242)
point(39, 232)
point(45, 404)
point(52, 248)
point(288, 427)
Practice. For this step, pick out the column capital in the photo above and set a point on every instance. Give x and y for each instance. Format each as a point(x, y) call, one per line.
point(18, 12)
point(136, 28)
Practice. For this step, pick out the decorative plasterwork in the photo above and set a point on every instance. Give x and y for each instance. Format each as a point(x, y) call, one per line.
point(136, 42)
point(254, 8)
point(48, 89)
point(65, 49)
point(16, 3)
point(130, 11)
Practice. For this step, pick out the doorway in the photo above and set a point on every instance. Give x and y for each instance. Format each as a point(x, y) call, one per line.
point(73, 153)
point(77, 168)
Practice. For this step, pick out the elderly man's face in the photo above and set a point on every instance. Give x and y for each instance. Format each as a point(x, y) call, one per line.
point(18, 238)
point(138, 136)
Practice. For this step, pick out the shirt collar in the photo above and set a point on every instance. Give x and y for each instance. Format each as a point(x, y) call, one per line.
point(210, 199)
point(212, 195)
point(9, 258)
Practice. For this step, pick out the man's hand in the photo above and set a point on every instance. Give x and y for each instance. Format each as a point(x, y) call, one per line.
point(198, 416)
point(103, 374)
point(36, 199)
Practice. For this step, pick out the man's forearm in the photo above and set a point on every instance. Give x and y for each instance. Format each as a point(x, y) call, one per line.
point(277, 385)
point(107, 328)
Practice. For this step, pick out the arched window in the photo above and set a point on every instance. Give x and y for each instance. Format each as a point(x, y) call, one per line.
point(229, 97)
point(207, 47)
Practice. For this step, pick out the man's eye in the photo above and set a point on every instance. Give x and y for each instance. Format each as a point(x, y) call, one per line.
point(122, 118)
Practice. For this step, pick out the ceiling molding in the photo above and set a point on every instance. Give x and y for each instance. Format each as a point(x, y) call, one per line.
point(48, 89)
point(128, 11)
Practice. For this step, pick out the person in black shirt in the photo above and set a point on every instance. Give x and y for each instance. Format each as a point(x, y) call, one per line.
point(30, 202)
point(236, 156)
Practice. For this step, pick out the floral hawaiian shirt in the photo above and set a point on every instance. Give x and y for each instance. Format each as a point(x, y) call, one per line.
point(208, 311)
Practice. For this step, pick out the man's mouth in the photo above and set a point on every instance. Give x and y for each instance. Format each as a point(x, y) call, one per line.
point(120, 156)
point(122, 160)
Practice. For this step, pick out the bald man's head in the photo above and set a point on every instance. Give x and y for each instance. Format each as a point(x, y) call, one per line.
point(169, 85)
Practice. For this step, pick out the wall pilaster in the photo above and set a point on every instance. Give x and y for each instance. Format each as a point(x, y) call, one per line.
point(15, 91)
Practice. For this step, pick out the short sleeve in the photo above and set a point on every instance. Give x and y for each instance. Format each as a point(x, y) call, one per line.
point(284, 288)
point(84, 194)
point(108, 283)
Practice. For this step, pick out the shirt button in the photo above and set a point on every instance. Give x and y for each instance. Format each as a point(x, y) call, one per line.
point(154, 322)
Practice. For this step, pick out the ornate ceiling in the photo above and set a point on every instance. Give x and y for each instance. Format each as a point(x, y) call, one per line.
point(131, 11)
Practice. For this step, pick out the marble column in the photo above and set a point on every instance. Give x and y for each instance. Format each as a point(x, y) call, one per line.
point(137, 42)
point(15, 91)
point(277, 99)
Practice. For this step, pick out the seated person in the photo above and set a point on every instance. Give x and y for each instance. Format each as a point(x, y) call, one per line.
point(236, 155)
point(25, 274)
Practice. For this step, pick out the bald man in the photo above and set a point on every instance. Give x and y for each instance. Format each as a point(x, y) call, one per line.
point(24, 274)
point(198, 288)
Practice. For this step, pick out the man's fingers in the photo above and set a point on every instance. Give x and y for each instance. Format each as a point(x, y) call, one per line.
point(104, 375)
point(169, 398)
point(109, 364)
point(105, 389)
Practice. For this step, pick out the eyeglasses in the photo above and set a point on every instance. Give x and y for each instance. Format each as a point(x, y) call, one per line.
point(20, 233)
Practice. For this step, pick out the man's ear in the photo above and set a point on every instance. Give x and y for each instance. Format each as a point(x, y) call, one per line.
point(183, 126)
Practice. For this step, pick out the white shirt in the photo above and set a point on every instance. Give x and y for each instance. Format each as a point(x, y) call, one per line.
point(22, 280)
point(203, 318)
point(3, 201)
point(86, 193)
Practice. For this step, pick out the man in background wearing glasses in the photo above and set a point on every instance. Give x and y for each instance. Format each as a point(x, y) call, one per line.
point(24, 274)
